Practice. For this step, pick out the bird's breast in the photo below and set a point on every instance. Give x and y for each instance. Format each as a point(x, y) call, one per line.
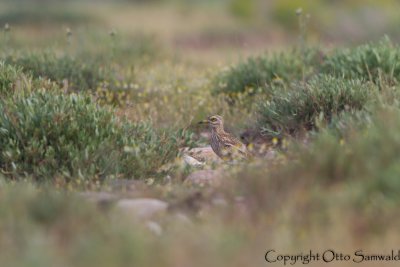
point(215, 143)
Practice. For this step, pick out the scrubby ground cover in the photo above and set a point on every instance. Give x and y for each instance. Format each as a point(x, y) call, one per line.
point(95, 110)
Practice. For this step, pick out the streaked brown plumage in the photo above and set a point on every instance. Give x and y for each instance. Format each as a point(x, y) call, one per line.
point(225, 145)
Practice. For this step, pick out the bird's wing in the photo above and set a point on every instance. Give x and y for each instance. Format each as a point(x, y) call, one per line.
point(232, 142)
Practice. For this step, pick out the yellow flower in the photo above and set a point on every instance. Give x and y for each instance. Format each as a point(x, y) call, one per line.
point(274, 141)
point(250, 147)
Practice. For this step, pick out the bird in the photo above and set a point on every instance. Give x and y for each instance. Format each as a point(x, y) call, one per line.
point(224, 144)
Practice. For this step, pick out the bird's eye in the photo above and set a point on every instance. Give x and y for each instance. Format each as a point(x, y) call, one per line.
point(213, 119)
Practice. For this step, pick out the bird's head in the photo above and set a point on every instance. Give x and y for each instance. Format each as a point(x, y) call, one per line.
point(214, 121)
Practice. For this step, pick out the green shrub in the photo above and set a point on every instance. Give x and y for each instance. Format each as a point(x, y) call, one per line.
point(351, 121)
point(47, 134)
point(79, 74)
point(323, 97)
point(375, 62)
point(358, 175)
point(367, 156)
point(259, 73)
point(10, 76)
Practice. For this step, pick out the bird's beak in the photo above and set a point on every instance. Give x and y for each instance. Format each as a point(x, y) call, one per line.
point(203, 122)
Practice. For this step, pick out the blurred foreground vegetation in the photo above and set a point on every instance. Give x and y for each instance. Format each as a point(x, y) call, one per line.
point(91, 99)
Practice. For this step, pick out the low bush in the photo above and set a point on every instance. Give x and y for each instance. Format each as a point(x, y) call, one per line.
point(375, 62)
point(323, 97)
point(354, 177)
point(260, 73)
point(79, 74)
point(368, 156)
point(46, 135)
point(10, 76)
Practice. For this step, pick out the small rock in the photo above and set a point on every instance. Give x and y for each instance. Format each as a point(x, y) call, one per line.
point(203, 154)
point(154, 227)
point(142, 208)
point(204, 177)
point(182, 218)
point(192, 161)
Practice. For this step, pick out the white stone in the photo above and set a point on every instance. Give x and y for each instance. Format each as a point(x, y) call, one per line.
point(204, 154)
point(142, 208)
point(154, 227)
point(192, 161)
